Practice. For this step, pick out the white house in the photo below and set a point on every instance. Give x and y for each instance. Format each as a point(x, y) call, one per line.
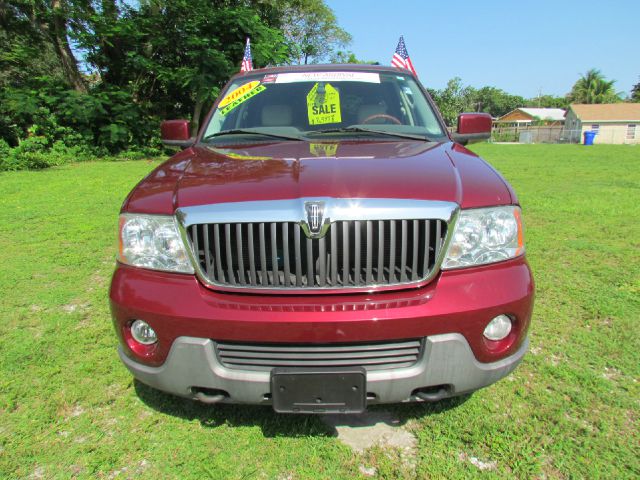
point(614, 122)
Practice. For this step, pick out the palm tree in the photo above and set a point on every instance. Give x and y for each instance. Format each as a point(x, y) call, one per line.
point(635, 93)
point(592, 87)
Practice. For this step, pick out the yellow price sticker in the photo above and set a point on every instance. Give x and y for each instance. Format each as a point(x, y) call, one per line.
point(323, 149)
point(234, 103)
point(237, 93)
point(323, 105)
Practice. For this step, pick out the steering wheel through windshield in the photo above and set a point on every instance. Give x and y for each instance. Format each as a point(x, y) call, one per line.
point(381, 116)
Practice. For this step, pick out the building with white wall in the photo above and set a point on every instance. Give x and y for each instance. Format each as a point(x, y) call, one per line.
point(615, 123)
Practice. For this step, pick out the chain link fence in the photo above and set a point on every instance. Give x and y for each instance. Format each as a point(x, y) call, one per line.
point(557, 134)
point(554, 134)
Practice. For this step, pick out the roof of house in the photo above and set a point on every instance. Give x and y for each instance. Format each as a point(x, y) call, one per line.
point(607, 112)
point(552, 114)
point(555, 114)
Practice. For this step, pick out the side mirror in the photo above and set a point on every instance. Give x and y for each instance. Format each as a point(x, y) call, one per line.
point(472, 127)
point(175, 133)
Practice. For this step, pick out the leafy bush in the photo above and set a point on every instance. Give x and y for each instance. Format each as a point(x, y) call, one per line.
point(30, 154)
point(504, 136)
point(51, 125)
point(105, 121)
point(5, 149)
point(36, 153)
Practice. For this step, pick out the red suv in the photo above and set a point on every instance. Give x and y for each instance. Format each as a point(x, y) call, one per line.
point(324, 243)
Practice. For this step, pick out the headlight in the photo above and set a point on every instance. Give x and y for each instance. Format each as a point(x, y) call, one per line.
point(485, 235)
point(152, 241)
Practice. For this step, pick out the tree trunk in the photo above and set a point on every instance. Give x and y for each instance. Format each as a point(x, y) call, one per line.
point(111, 46)
point(63, 50)
point(195, 121)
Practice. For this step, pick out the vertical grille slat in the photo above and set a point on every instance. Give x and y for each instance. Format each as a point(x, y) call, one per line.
point(216, 241)
point(274, 255)
point(392, 252)
point(285, 253)
point(352, 253)
point(357, 254)
point(427, 236)
point(437, 241)
point(345, 254)
point(334, 257)
point(322, 262)
point(229, 256)
point(403, 253)
point(196, 246)
point(310, 274)
point(414, 258)
point(264, 279)
point(369, 275)
point(297, 232)
point(380, 251)
point(208, 263)
point(252, 257)
point(240, 254)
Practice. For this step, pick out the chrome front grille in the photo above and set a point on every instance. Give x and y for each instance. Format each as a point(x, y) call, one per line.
point(371, 356)
point(352, 254)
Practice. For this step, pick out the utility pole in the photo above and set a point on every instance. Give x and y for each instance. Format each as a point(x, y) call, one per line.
point(539, 96)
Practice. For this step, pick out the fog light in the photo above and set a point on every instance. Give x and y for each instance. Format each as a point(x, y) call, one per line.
point(498, 328)
point(143, 333)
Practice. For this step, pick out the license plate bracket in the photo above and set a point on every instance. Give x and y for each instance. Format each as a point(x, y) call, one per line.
point(319, 390)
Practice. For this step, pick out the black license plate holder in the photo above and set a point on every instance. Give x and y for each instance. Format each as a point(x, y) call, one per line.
point(319, 390)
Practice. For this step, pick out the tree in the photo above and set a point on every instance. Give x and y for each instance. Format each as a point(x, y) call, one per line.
point(46, 24)
point(311, 30)
point(548, 101)
point(348, 56)
point(176, 55)
point(635, 93)
point(495, 101)
point(454, 99)
point(592, 87)
point(111, 69)
point(56, 24)
point(24, 52)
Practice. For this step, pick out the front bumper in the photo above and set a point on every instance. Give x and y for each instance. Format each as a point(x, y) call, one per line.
point(447, 363)
point(450, 313)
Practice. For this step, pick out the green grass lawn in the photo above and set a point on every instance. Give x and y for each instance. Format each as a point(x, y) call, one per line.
point(571, 410)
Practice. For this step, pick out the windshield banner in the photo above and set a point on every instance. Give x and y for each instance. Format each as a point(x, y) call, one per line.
point(368, 77)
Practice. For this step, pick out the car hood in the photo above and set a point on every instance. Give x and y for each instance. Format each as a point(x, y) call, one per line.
point(284, 170)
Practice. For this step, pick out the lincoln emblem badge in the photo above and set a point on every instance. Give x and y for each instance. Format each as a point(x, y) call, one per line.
point(315, 218)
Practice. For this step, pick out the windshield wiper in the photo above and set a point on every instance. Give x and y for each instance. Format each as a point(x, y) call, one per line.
point(250, 131)
point(354, 129)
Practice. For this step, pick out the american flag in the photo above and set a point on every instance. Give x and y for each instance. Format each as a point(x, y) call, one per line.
point(247, 64)
point(401, 58)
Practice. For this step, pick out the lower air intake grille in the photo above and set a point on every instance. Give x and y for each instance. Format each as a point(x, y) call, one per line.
point(371, 356)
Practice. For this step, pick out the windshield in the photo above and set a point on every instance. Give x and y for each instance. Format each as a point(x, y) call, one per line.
point(315, 104)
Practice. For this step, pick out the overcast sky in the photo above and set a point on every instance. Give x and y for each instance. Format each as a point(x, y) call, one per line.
point(521, 47)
